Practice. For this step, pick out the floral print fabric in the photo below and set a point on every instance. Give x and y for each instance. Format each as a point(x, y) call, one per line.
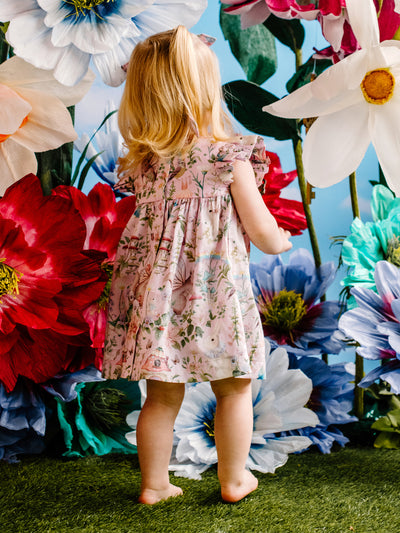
point(181, 305)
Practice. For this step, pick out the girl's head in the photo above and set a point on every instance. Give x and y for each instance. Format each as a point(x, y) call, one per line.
point(172, 96)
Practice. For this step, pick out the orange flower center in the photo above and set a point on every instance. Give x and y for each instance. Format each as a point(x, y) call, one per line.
point(5, 137)
point(377, 86)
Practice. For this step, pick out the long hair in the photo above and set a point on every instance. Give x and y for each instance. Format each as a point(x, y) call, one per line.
point(171, 97)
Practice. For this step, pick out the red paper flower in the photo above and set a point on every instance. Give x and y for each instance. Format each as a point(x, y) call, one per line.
point(105, 219)
point(45, 282)
point(289, 214)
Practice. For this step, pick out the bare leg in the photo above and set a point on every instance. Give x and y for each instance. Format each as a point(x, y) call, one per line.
point(154, 439)
point(233, 430)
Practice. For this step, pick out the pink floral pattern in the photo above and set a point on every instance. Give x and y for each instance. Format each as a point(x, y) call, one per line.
point(181, 306)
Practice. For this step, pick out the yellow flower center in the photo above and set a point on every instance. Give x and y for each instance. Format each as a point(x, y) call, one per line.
point(9, 279)
point(393, 251)
point(82, 6)
point(377, 86)
point(284, 312)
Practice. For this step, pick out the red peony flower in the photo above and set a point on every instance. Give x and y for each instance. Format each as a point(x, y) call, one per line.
point(289, 214)
point(45, 282)
point(105, 219)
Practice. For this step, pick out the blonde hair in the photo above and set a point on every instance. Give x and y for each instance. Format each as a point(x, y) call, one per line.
point(172, 94)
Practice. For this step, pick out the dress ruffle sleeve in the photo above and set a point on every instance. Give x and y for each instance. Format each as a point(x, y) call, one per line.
point(245, 148)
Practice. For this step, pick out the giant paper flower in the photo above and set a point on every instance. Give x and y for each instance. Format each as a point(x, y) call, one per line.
point(357, 101)
point(375, 241)
point(330, 13)
point(287, 298)
point(105, 219)
point(33, 116)
point(331, 399)
point(64, 35)
point(278, 405)
point(22, 421)
point(288, 213)
point(375, 325)
point(45, 283)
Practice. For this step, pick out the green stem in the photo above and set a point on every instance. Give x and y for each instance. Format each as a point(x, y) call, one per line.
point(359, 361)
point(298, 151)
point(299, 57)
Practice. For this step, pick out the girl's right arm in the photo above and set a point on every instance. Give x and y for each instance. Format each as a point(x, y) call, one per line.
point(259, 224)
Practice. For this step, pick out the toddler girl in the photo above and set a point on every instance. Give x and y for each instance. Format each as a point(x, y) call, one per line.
point(181, 305)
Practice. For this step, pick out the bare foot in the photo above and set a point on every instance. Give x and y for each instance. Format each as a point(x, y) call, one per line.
point(233, 492)
point(151, 496)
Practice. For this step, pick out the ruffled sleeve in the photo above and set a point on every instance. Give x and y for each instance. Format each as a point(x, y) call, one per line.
point(245, 148)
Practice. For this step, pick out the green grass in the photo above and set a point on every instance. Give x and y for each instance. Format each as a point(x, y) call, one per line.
point(353, 489)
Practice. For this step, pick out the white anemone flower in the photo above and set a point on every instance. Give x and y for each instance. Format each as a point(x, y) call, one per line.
point(357, 101)
point(64, 35)
point(33, 116)
point(278, 404)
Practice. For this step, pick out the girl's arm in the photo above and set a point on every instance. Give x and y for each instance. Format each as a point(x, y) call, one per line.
point(259, 224)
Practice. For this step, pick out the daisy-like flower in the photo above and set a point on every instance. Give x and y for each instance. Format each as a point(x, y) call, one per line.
point(375, 325)
point(278, 405)
point(33, 116)
point(22, 421)
point(288, 213)
point(109, 147)
point(287, 298)
point(357, 101)
point(331, 399)
point(375, 241)
point(64, 36)
point(45, 283)
point(105, 219)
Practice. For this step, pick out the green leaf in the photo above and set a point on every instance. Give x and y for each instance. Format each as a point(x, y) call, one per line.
point(245, 101)
point(387, 440)
point(306, 71)
point(289, 32)
point(253, 47)
point(86, 169)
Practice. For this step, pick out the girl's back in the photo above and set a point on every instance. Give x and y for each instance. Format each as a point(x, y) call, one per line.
point(181, 305)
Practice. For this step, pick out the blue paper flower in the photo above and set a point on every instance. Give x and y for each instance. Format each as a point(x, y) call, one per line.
point(109, 147)
point(331, 399)
point(375, 241)
point(64, 35)
point(374, 324)
point(22, 421)
point(287, 298)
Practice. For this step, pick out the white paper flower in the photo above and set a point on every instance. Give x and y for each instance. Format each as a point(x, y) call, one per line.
point(33, 116)
point(277, 404)
point(64, 35)
point(357, 101)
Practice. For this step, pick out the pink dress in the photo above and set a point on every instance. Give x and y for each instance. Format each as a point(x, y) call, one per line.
point(181, 305)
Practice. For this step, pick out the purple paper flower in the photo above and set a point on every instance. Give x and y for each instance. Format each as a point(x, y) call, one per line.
point(288, 300)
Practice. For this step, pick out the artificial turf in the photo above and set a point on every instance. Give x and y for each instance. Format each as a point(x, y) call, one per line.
point(349, 490)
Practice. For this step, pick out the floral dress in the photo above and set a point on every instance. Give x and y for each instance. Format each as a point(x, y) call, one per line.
point(181, 305)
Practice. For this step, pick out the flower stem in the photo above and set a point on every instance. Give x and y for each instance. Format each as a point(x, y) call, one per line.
point(359, 361)
point(298, 151)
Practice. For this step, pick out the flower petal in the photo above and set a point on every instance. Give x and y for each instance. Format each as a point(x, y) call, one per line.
point(72, 65)
point(364, 22)
point(17, 73)
point(340, 140)
point(385, 136)
point(49, 123)
point(16, 161)
point(13, 110)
